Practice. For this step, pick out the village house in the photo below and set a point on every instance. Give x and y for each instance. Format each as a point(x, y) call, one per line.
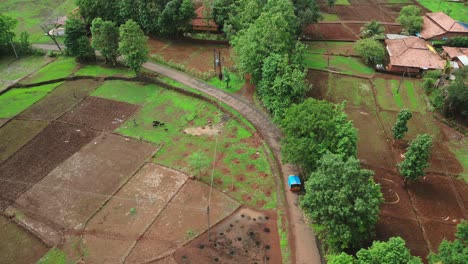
point(412, 55)
point(202, 22)
point(438, 26)
point(458, 56)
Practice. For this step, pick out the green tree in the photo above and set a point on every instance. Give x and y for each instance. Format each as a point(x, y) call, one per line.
point(313, 128)
point(227, 77)
point(410, 19)
point(373, 30)
point(241, 15)
point(24, 44)
point(7, 24)
point(105, 39)
point(457, 99)
point(132, 45)
point(400, 128)
point(416, 158)
point(371, 50)
point(76, 40)
point(282, 84)
point(221, 11)
point(307, 11)
point(343, 201)
point(176, 17)
point(455, 252)
point(393, 251)
point(198, 161)
point(272, 32)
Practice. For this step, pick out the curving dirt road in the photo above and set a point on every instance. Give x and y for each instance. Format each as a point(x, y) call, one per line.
point(302, 242)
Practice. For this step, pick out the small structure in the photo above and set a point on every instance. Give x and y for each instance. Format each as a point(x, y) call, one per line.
point(203, 21)
point(294, 183)
point(456, 55)
point(441, 26)
point(412, 55)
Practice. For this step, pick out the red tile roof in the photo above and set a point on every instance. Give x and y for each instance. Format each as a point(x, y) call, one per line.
point(201, 21)
point(413, 52)
point(453, 52)
point(436, 24)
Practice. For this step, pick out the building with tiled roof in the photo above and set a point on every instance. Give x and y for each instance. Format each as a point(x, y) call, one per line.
point(440, 26)
point(412, 55)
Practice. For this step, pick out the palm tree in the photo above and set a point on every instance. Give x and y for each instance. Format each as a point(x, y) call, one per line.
point(372, 29)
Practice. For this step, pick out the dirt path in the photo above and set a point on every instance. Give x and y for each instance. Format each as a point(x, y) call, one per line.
point(303, 241)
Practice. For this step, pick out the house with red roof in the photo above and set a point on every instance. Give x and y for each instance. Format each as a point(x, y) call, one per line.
point(440, 26)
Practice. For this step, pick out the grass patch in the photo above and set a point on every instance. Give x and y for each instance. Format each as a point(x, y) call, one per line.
point(457, 11)
point(330, 17)
point(315, 61)
point(31, 14)
point(62, 67)
point(235, 84)
point(54, 256)
point(410, 94)
point(102, 71)
point(284, 241)
point(350, 65)
point(317, 47)
point(342, 2)
point(356, 91)
point(17, 100)
point(19, 69)
point(129, 92)
point(460, 149)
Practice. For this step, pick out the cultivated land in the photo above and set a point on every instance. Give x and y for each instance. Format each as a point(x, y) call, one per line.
point(84, 168)
point(428, 210)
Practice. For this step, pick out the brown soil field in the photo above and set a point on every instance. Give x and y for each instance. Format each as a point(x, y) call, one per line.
point(332, 31)
point(436, 232)
point(60, 100)
point(166, 260)
point(247, 236)
point(15, 134)
point(114, 230)
point(100, 113)
point(367, 12)
point(193, 56)
point(434, 198)
point(409, 230)
point(372, 141)
point(3, 121)
point(17, 245)
point(40, 156)
point(183, 219)
point(319, 79)
point(70, 195)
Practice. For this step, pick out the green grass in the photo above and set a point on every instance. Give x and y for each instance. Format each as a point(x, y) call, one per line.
point(54, 256)
point(235, 84)
point(31, 14)
point(317, 47)
point(458, 11)
point(330, 17)
point(19, 69)
point(350, 65)
point(461, 153)
point(315, 61)
point(17, 100)
point(100, 71)
point(342, 2)
point(62, 67)
point(130, 92)
point(355, 91)
point(410, 94)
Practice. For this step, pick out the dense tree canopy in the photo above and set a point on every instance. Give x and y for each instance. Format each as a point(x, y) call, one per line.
point(457, 98)
point(282, 84)
point(400, 128)
point(176, 17)
point(455, 252)
point(105, 39)
point(343, 202)
point(371, 50)
point(307, 11)
point(272, 32)
point(314, 128)
point(416, 158)
point(410, 19)
point(7, 24)
point(132, 45)
point(393, 251)
point(76, 40)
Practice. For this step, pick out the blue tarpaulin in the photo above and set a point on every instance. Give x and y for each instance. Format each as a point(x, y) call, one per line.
point(294, 180)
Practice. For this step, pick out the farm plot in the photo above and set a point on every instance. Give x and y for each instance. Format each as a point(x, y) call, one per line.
point(115, 229)
point(100, 113)
point(18, 69)
point(40, 156)
point(60, 100)
point(395, 94)
point(3, 121)
point(15, 134)
point(357, 92)
point(341, 64)
point(18, 245)
point(192, 56)
point(64, 200)
point(247, 236)
point(184, 218)
point(329, 31)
